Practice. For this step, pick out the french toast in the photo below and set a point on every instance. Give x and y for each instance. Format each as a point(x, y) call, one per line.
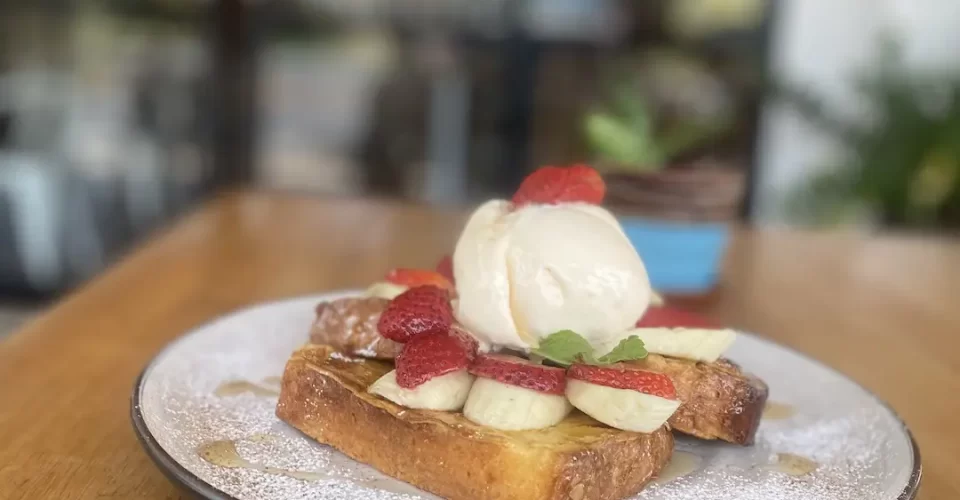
point(720, 401)
point(324, 395)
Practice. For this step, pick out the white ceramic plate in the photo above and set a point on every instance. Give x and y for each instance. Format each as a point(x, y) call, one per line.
point(213, 392)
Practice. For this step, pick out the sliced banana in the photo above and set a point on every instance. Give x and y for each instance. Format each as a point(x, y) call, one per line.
point(446, 392)
point(689, 343)
point(512, 408)
point(620, 408)
point(385, 290)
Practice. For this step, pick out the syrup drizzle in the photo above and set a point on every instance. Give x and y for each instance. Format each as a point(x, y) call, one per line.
point(224, 453)
point(681, 464)
point(237, 387)
point(794, 465)
point(778, 411)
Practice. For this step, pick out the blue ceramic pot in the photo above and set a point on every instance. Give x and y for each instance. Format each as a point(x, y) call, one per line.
point(681, 257)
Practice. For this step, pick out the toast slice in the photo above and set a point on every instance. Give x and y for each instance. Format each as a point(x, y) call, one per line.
point(350, 325)
point(720, 401)
point(325, 397)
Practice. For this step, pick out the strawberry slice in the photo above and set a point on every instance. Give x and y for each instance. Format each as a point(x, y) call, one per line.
point(445, 268)
point(467, 339)
point(417, 311)
point(671, 317)
point(428, 356)
point(552, 185)
point(520, 372)
point(621, 376)
point(418, 277)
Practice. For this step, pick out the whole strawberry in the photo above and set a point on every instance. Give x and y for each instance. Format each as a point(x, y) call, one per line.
point(417, 311)
point(552, 185)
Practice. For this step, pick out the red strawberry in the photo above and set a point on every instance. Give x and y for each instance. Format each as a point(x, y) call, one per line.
point(671, 317)
point(621, 376)
point(428, 356)
point(417, 277)
point(551, 185)
point(520, 372)
point(445, 268)
point(466, 338)
point(417, 311)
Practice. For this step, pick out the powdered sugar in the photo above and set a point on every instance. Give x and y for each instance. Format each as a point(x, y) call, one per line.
point(860, 449)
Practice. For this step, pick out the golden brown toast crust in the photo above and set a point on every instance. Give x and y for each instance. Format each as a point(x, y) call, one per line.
point(442, 452)
point(719, 400)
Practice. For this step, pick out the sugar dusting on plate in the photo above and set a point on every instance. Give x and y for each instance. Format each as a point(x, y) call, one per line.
point(839, 444)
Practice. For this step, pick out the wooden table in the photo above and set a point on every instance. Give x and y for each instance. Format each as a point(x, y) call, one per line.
point(884, 311)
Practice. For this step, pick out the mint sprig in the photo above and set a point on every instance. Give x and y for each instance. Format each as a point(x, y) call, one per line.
point(567, 347)
point(628, 349)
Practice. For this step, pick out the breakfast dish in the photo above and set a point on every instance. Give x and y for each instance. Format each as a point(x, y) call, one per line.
point(451, 454)
point(709, 389)
point(535, 362)
point(204, 410)
point(519, 367)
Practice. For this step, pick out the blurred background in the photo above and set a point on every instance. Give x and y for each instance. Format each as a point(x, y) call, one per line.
point(118, 115)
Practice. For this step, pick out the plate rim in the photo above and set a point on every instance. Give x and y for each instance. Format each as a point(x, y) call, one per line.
point(180, 476)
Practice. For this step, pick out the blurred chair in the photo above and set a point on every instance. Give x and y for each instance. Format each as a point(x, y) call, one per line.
point(33, 204)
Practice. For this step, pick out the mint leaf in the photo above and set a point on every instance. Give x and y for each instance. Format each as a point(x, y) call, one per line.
point(628, 349)
point(567, 347)
point(564, 347)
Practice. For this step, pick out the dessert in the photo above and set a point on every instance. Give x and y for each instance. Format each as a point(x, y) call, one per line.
point(518, 281)
point(325, 396)
point(535, 362)
point(709, 391)
point(514, 394)
point(623, 396)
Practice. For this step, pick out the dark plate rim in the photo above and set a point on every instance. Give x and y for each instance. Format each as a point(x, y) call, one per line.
point(180, 476)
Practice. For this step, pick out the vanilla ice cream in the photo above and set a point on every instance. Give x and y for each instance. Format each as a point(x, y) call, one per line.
point(527, 273)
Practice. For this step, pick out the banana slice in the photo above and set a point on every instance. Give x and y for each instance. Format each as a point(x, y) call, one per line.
point(385, 290)
point(624, 409)
point(512, 408)
point(690, 343)
point(446, 392)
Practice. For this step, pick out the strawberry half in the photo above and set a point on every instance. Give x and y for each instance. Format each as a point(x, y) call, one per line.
point(468, 341)
point(418, 277)
point(520, 372)
point(671, 317)
point(428, 356)
point(445, 268)
point(620, 376)
point(417, 311)
point(552, 185)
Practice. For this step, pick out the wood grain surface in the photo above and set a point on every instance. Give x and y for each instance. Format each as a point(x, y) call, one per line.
point(885, 311)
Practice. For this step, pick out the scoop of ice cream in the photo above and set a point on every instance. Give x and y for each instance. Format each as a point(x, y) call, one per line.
point(527, 273)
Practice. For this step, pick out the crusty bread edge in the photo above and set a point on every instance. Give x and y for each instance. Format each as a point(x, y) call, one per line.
point(725, 403)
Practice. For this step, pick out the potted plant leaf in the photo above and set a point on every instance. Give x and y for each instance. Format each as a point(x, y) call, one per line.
point(654, 136)
point(900, 166)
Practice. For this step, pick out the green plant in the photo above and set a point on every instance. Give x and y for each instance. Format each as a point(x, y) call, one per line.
point(902, 165)
point(625, 133)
